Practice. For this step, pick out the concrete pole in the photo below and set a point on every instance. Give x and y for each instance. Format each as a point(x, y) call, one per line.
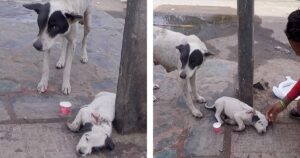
point(245, 47)
point(131, 102)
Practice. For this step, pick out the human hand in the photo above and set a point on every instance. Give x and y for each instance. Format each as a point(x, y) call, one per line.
point(273, 111)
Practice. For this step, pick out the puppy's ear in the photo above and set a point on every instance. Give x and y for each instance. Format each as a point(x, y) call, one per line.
point(183, 48)
point(255, 118)
point(35, 6)
point(87, 127)
point(109, 144)
point(73, 17)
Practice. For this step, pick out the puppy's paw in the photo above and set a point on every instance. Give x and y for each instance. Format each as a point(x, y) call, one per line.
point(84, 59)
point(200, 99)
point(60, 64)
point(156, 87)
point(155, 99)
point(73, 127)
point(238, 129)
point(66, 88)
point(42, 86)
point(197, 113)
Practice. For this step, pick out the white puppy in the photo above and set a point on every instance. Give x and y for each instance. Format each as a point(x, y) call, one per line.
point(97, 119)
point(239, 113)
point(59, 18)
point(176, 51)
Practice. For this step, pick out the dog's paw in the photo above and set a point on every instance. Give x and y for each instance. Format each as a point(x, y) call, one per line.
point(66, 88)
point(72, 127)
point(197, 113)
point(200, 99)
point(238, 129)
point(60, 64)
point(156, 87)
point(155, 99)
point(42, 86)
point(84, 59)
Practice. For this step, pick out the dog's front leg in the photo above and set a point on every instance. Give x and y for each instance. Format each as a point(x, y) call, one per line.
point(189, 102)
point(42, 86)
point(62, 59)
point(83, 116)
point(199, 98)
point(238, 119)
point(66, 86)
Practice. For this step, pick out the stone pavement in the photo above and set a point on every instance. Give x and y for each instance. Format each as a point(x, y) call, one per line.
point(176, 132)
point(30, 125)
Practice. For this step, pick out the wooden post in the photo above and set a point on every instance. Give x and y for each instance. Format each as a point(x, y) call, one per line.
point(245, 46)
point(131, 109)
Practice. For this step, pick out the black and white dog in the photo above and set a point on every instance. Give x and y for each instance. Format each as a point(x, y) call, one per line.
point(176, 51)
point(59, 18)
point(95, 120)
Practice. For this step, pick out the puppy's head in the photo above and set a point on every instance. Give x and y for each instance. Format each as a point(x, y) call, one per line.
point(94, 139)
point(52, 22)
point(260, 122)
point(191, 57)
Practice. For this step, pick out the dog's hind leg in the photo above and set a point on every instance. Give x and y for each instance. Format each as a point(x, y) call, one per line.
point(199, 98)
point(188, 98)
point(218, 114)
point(42, 86)
point(87, 28)
point(62, 59)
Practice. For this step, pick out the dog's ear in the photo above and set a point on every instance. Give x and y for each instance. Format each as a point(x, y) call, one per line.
point(73, 17)
point(183, 48)
point(109, 144)
point(34, 6)
point(255, 118)
point(87, 127)
point(208, 53)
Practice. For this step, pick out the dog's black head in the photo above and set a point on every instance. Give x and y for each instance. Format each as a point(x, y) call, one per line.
point(191, 59)
point(51, 22)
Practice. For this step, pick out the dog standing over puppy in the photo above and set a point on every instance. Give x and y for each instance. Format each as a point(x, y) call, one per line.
point(59, 18)
point(97, 117)
point(239, 113)
point(176, 51)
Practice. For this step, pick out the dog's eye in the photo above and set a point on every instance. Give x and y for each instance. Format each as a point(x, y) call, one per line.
point(86, 138)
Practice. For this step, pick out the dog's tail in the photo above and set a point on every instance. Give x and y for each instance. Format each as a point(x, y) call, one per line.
point(210, 107)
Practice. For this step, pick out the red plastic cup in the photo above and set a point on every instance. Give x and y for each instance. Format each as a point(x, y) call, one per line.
point(217, 127)
point(65, 108)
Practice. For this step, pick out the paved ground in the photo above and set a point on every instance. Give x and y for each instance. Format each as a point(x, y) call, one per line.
point(30, 125)
point(176, 132)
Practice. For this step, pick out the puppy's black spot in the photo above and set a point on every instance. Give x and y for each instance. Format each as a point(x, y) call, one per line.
point(57, 24)
point(87, 127)
point(109, 143)
point(255, 118)
point(195, 59)
point(184, 53)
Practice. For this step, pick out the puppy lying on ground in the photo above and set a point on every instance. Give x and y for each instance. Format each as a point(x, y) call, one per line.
point(96, 119)
point(239, 113)
point(176, 51)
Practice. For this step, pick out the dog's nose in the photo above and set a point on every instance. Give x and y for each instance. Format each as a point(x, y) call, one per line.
point(80, 152)
point(38, 45)
point(182, 75)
